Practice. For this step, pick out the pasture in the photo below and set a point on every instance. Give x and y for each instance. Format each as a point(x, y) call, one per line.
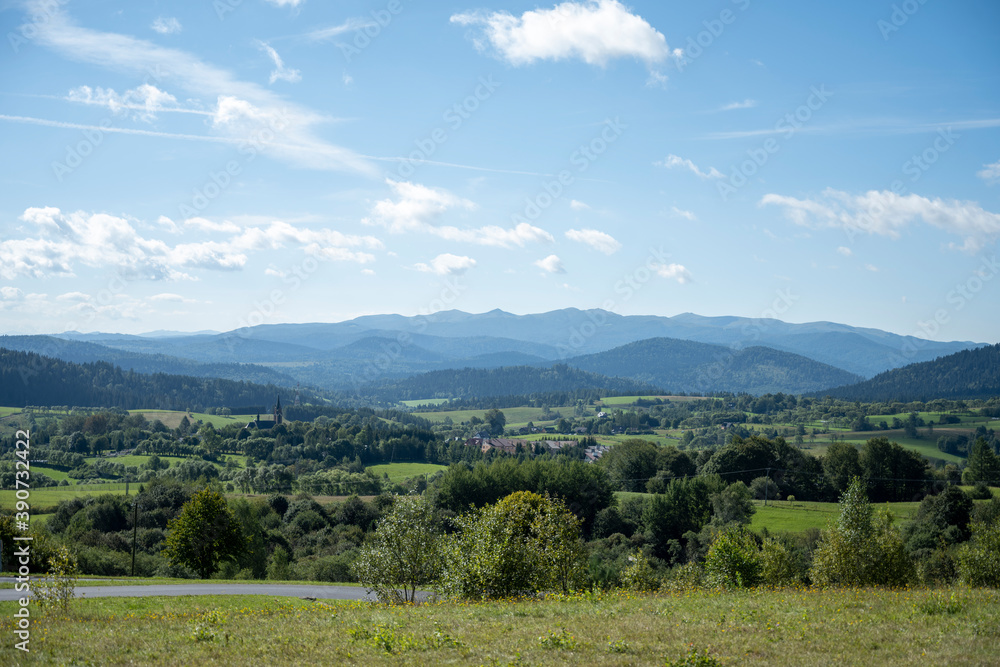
point(800, 627)
point(398, 472)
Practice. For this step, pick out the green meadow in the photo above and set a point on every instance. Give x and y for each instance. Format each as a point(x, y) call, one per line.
point(795, 627)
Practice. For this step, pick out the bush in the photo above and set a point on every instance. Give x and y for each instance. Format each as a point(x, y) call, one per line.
point(979, 559)
point(639, 575)
point(862, 549)
point(523, 544)
point(733, 560)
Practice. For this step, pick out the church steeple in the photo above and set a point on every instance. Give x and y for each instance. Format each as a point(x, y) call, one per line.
point(277, 411)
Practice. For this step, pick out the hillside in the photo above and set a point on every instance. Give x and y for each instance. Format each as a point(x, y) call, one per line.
point(31, 379)
point(81, 352)
point(681, 365)
point(966, 374)
point(505, 381)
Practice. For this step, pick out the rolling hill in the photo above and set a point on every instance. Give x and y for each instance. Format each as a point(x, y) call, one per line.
point(965, 374)
point(681, 365)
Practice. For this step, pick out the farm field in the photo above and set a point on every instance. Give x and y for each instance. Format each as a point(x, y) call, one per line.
point(424, 401)
point(172, 418)
point(784, 627)
point(622, 401)
point(399, 472)
point(515, 416)
point(45, 499)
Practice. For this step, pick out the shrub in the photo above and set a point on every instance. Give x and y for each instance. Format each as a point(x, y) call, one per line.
point(863, 548)
point(979, 559)
point(639, 574)
point(733, 560)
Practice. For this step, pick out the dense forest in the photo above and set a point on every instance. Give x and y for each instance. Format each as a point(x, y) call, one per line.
point(81, 352)
point(31, 379)
point(506, 381)
point(684, 365)
point(965, 374)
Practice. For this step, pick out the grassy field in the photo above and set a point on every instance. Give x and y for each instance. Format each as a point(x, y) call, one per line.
point(46, 499)
point(781, 516)
point(172, 418)
point(784, 517)
point(424, 401)
point(800, 627)
point(621, 401)
point(514, 416)
point(400, 471)
point(7, 412)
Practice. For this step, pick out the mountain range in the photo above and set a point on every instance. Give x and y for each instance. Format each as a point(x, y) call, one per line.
point(686, 352)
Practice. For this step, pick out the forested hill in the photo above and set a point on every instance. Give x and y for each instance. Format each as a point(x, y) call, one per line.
point(31, 379)
point(81, 352)
point(965, 374)
point(689, 366)
point(506, 381)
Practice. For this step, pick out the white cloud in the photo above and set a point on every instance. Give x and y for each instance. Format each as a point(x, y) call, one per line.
point(886, 213)
point(845, 251)
point(146, 99)
point(578, 205)
point(367, 272)
point(551, 264)
point(594, 31)
point(206, 225)
point(447, 265)
point(350, 25)
point(166, 25)
point(673, 272)
point(64, 241)
point(280, 73)
point(274, 273)
point(415, 207)
point(595, 239)
point(990, 172)
point(745, 104)
point(871, 267)
point(11, 293)
point(672, 161)
point(348, 79)
point(171, 297)
point(286, 3)
point(73, 296)
point(296, 142)
point(681, 213)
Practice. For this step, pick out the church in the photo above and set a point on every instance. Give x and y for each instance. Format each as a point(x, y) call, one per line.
point(265, 424)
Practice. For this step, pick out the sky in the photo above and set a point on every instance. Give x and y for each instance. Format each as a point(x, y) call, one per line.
point(218, 164)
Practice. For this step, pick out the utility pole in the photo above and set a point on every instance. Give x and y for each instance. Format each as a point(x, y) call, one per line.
point(135, 515)
point(767, 490)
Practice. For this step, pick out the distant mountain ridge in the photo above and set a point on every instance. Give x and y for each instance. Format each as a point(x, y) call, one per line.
point(345, 355)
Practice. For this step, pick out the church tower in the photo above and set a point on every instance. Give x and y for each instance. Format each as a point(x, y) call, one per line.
point(277, 412)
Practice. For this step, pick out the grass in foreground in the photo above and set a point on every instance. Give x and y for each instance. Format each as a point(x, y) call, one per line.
point(799, 627)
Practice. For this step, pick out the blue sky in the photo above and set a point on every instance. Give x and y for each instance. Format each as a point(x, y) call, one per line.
point(209, 165)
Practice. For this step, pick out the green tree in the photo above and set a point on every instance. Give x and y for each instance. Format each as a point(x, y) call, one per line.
point(979, 559)
point(630, 464)
point(841, 464)
point(497, 421)
point(734, 560)
point(509, 548)
point(983, 464)
point(404, 552)
point(863, 548)
point(204, 534)
point(734, 504)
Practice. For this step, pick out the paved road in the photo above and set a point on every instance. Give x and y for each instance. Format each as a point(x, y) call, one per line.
point(174, 590)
